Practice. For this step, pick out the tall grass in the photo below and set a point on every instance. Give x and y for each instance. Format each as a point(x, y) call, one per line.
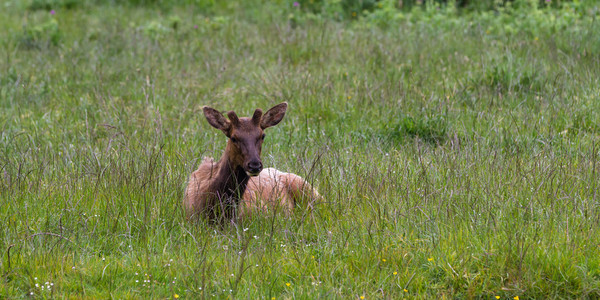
point(456, 159)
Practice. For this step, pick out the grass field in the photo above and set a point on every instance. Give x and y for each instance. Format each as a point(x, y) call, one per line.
point(457, 154)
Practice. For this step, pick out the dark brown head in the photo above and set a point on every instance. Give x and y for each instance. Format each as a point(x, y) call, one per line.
point(245, 135)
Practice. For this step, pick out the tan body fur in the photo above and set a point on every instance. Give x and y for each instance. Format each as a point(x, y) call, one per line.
point(270, 191)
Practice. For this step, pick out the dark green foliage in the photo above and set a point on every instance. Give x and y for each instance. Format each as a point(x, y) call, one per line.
point(54, 4)
point(41, 35)
point(431, 129)
point(504, 77)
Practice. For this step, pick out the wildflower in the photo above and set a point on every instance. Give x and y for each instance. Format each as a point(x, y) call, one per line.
point(288, 284)
point(175, 296)
point(430, 259)
point(497, 297)
point(395, 273)
point(362, 297)
point(296, 4)
point(354, 14)
point(405, 290)
point(52, 12)
point(383, 260)
point(516, 298)
point(349, 97)
point(195, 26)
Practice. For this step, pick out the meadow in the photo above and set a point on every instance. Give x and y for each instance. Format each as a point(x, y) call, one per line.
point(457, 150)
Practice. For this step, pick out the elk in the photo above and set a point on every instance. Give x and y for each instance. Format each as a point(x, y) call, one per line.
point(237, 185)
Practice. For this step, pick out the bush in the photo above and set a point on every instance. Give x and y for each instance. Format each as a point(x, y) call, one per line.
point(41, 36)
point(53, 4)
point(432, 129)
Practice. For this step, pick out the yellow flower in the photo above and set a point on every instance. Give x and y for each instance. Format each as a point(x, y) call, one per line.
point(405, 290)
point(383, 260)
point(349, 97)
point(175, 296)
point(273, 298)
point(395, 273)
point(497, 297)
point(536, 38)
point(288, 284)
point(516, 298)
point(430, 259)
point(362, 297)
point(354, 14)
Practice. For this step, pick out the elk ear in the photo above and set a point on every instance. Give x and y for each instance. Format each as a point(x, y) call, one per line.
point(273, 116)
point(216, 119)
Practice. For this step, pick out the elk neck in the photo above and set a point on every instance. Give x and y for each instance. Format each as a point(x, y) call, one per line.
point(232, 179)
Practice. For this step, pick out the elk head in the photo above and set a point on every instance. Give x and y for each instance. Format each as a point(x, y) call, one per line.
point(245, 135)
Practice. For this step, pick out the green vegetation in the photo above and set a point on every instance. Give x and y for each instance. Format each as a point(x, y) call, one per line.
point(456, 148)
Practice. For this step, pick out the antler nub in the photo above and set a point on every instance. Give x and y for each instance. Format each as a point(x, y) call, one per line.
point(233, 118)
point(257, 116)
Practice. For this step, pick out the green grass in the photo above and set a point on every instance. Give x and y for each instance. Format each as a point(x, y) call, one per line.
point(457, 159)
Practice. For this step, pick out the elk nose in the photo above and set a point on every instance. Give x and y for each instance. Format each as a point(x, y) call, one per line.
point(254, 167)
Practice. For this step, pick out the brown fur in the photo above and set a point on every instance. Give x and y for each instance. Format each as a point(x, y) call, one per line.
point(236, 186)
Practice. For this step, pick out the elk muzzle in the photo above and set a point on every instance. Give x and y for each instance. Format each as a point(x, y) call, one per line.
point(254, 167)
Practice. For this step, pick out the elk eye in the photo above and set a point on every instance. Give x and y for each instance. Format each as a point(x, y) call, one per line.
point(234, 140)
point(262, 137)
